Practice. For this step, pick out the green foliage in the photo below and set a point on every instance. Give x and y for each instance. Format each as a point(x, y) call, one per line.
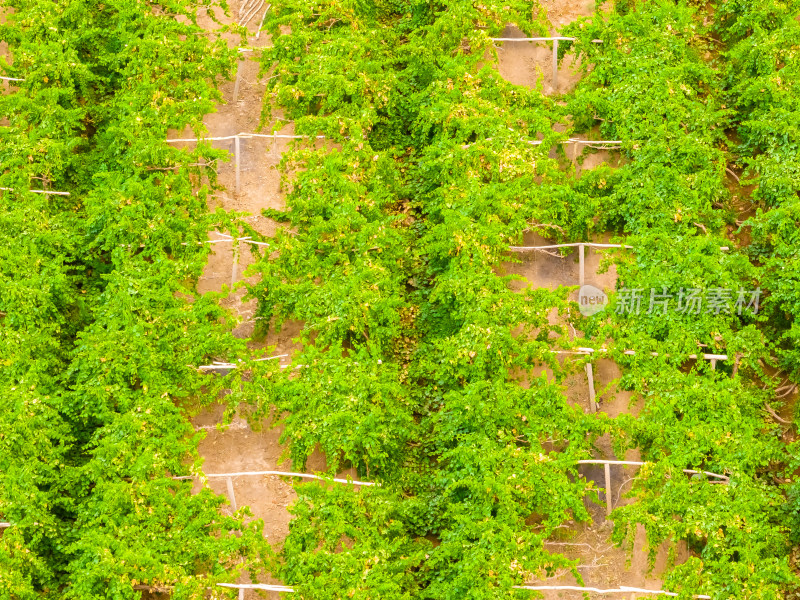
point(356, 543)
point(398, 230)
point(648, 86)
point(761, 81)
point(101, 322)
point(420, 367)
point(659, 84)
point(413, 343)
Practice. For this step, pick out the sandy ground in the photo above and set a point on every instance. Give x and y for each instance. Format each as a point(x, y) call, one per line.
point(531, 63)
point(238, 448)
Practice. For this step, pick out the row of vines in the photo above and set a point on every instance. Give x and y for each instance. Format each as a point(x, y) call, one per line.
point(101, 325)
point(419, 367)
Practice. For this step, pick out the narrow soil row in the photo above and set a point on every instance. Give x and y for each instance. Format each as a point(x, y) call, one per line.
point(238, 448)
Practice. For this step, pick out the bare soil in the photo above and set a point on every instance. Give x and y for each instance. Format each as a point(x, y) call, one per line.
point(238, 448)
point(5, 86)
point(531, 63)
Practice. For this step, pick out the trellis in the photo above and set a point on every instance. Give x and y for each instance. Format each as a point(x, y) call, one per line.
point(596, 144)
point(232, 494)
point(607, 475)
point(237, 146)
point(246, 13)
point(600, 144)
point(623, 589)
point(46, 192)
point(719, 478)
point(712, 358)
point(537, 588)
point(581, 252)
point(555, 41)
point(227, 367)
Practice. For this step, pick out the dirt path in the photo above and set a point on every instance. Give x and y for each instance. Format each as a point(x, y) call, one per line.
point(239, 448)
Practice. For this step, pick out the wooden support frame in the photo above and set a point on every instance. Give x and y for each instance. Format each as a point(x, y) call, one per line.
point(235, 265)
point(236, 82)
point(621, 590)
point(589, 351)
point(555, 66)
point(261, 24)
point(283, 136)
point(592, 394)
point(555, 41)
point(229, 476)
point(237, 156)
point(638, 463)
point(537, 588)
point(231, 494)
point(45, 192)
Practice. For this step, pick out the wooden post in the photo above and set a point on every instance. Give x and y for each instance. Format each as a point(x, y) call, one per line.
point(237, 155)
point(236, 82)
point(234, 269)
point(231, 495)
point(264, 16)
point(608, 489)
point(582, 264)
point(555, 66)
point(590, 378)
point(713, 362)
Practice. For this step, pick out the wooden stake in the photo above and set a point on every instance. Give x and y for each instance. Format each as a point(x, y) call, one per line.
point(590, 378)
point(713, 362)
point(235, 265)
point(237, 159)
point(555, 66)
point(231, 495)
point(608, 489)
point(581, 264)
point(236, 82)
point(264, 16)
